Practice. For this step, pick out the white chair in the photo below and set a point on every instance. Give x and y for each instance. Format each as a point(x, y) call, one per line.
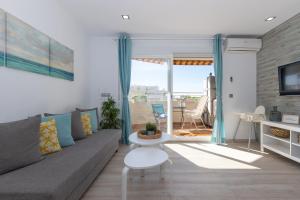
point(198, 112)
point(252, 118)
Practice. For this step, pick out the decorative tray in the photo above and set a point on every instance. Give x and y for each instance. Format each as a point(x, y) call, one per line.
point(143, 135)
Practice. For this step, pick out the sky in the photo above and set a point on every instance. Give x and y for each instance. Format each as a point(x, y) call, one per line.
point(185, 78)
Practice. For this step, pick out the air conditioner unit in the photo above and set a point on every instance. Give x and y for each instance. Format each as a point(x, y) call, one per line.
point(242, 44)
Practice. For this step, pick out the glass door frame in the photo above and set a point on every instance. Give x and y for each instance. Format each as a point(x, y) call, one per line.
point(169, 60)
point(170, 96)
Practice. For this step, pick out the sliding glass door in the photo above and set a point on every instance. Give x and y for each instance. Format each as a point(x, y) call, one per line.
point(149, 95)
point(178, 95)
point(192, 89)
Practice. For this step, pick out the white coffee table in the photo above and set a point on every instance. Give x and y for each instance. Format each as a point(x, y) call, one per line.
point(134, 139)
point(142, 158)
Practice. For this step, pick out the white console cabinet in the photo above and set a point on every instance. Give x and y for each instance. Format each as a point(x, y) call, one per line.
point(288, 147)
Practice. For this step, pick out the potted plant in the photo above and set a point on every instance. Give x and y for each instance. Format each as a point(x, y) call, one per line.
point(150, 128)
point(110, 115)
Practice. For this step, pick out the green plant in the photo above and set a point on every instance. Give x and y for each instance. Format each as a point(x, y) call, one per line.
point(151, 127)
point(110, 115)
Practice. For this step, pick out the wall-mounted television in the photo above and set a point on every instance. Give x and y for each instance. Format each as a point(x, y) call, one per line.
point(289, 79)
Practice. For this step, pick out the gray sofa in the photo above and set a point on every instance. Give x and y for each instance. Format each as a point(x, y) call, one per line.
point(65, 175)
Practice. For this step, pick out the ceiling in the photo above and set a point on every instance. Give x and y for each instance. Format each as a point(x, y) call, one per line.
point(181, 17)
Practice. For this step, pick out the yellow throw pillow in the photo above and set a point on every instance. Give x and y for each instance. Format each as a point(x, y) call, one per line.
point(48, 137)
point(86, 124)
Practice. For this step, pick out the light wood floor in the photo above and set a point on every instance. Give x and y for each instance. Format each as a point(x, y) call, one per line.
point(204, 172)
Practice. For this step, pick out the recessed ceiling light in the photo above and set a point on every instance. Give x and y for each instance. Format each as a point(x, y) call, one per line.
point(270, 18)
point(125, 17)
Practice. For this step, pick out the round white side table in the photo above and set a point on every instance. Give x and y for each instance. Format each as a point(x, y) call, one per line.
point(142, 158)
point(134, 139)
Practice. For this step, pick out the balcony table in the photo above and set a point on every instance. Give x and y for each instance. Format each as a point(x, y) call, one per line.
point(181, 110)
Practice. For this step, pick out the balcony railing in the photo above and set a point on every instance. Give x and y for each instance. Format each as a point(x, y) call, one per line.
point(141, 106)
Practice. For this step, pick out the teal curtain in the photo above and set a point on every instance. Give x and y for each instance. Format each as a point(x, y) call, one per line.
point(124, 52)
point(219, 131)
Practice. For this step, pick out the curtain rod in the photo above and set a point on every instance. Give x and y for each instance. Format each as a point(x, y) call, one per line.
point(169, 38)
point(137, 38)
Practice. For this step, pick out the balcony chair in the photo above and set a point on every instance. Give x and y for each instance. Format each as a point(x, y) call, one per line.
point(159, 113)
point(198, 112)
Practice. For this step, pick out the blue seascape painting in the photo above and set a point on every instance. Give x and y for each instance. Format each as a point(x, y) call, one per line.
point(26, 48)
point(30, 50)
point(61, 61)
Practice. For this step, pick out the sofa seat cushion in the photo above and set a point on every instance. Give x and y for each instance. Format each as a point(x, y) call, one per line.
point(58, 175)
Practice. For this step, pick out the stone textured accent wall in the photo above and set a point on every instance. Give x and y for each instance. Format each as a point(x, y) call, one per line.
point(281, 46)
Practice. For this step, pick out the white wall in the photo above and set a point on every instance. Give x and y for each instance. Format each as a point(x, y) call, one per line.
point(103, 51)
point(24, 93)
point(104, 71)
point(242, 67)
point(169, 47)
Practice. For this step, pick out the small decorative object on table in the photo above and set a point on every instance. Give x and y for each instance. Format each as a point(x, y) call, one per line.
point(275, 115)
point(150, 128)
point(151, 132)
point(279, 132)
point(290, 119)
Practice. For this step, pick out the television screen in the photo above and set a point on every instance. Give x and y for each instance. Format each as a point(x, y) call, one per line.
point(289, 79)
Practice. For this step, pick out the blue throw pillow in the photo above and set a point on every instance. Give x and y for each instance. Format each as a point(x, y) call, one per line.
point(94, 119)
point(64, 130)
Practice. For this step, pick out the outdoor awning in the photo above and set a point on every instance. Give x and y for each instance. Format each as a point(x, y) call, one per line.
point(179, 61)
point(151, 60)
point(192, 61)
